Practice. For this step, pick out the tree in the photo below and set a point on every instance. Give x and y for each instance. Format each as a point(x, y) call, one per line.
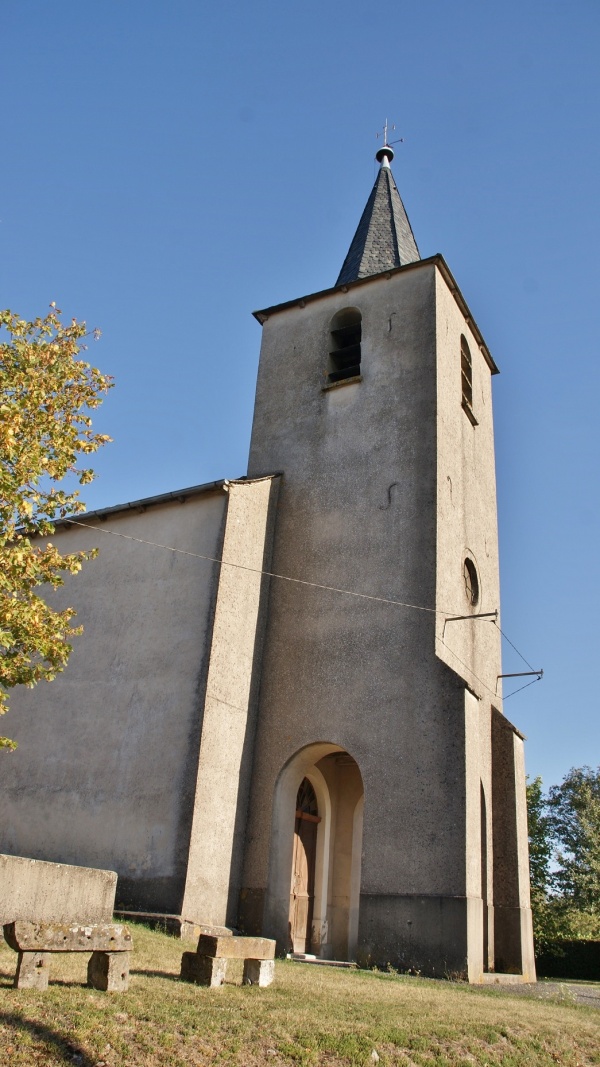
point(574, 816)
point(546, 920)
point(564, 857)
point(540, 844)
point(46, 395)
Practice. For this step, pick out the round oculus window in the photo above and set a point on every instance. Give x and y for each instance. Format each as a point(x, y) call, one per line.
point(471, 582)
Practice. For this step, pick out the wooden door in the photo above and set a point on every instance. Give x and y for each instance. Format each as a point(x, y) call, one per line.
point(303, 868)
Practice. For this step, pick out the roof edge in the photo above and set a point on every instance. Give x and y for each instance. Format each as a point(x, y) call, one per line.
point(177, 496)
point(437, 260)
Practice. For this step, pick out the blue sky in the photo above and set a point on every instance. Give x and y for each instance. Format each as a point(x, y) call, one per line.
point(168, 167)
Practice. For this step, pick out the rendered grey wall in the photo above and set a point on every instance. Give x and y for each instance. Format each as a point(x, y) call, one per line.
point(466, 506)
point(357, 510)
point(104, 775)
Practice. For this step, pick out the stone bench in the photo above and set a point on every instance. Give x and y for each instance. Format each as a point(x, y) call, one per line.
point(110, 946)
point(208, 965)
point(43, 892)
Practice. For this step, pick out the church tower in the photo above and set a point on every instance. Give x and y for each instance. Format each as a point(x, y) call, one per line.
point(387, 816)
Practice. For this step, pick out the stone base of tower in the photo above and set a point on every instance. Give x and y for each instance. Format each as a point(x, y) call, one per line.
point(442, 937)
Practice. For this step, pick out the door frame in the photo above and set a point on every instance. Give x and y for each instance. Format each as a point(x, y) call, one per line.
point(277, 904)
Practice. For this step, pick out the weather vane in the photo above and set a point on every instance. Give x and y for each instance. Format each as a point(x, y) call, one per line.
point(385, 134)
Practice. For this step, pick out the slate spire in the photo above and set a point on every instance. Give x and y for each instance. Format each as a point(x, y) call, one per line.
point(384, 238)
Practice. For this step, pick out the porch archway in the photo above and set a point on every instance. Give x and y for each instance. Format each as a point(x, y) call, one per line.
point(335, 862)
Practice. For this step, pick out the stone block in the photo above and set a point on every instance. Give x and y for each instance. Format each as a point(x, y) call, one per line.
point(203, 970)
point(67, 937)
point(109, 971)
point(33, 970)
point(191, 931)
point(54, 892)
point(241, 948)
point(259, 972)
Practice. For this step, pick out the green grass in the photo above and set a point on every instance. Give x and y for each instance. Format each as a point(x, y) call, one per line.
point(310, 1016)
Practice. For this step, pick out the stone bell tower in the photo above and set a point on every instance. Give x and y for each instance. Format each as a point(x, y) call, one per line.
point(380, 690)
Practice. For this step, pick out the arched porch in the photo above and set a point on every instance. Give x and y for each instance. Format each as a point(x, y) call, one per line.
point(316, 853)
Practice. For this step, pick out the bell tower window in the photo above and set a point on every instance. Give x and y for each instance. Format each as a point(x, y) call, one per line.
point(344, 348)
point(466, 373)
point(471, 582)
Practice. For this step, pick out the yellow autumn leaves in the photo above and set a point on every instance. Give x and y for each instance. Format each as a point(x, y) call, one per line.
point(46, 395)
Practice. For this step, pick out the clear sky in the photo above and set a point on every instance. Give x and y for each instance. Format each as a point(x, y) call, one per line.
point(171, 165)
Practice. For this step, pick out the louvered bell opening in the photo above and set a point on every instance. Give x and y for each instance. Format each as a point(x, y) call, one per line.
point(345, 357)
point(467, 386)
point(345, 354)
point(345, 336)
point(348, 372)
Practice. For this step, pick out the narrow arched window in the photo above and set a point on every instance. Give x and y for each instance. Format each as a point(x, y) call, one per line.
point(466, 373)
point(471, 582)
point(344, 348)
point(306, 800)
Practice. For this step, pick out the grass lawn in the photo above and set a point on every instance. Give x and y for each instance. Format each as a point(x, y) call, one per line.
point(309, 1016)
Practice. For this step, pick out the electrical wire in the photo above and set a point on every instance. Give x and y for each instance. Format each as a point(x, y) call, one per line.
point(522, 687)
point(469, 669)
point(314, 585)
point(516, 650)
point(257, 570)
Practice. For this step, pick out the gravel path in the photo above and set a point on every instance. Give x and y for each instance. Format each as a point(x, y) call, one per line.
point(570, 992)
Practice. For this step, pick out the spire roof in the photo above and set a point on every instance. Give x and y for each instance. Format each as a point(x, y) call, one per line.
point(384, 238)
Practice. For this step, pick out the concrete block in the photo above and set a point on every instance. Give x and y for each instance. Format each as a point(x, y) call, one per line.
point(54, 892)
point(241, 948)
point(203, 970)
point(109, 971)
point(259, 972)
point(33, 970)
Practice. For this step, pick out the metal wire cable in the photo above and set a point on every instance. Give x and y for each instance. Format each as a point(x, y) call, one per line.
point(469, 669)
point(521, 687)
point(313, 585)
point(495, 621)
point(257, 570)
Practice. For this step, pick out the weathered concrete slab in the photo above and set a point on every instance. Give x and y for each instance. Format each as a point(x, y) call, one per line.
point(40, 891)
point(67, 937)
point(109, 972)
point(191, 931)
point(241, 948)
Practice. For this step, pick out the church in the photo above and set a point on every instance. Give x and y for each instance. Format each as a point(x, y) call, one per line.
point(285, 713)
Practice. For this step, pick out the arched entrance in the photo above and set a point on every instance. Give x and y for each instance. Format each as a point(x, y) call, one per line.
point(315, 858)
